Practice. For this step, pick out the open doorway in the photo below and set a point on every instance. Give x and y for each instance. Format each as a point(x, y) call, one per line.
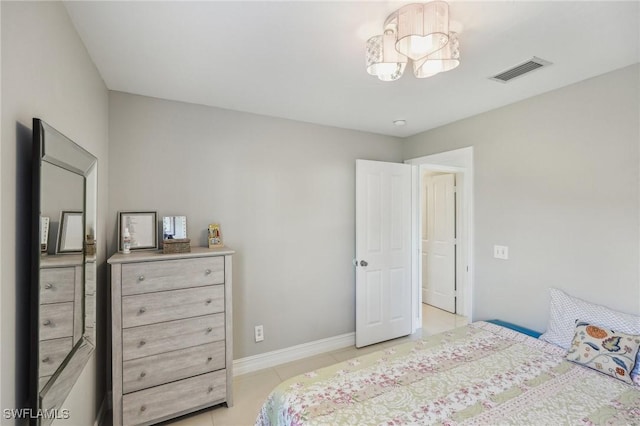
point(438, 216)
point(452, 256)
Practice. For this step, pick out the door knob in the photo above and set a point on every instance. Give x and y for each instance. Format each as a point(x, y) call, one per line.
point(364, 263)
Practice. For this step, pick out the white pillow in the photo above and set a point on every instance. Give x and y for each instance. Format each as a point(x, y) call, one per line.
point(565, 310)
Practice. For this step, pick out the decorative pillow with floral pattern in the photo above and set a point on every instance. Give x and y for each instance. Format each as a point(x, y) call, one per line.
point(607, 351)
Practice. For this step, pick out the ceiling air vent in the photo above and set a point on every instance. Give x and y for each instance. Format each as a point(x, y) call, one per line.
point(521, 69)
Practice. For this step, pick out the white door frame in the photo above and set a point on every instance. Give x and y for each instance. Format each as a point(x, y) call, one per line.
point(459, 161)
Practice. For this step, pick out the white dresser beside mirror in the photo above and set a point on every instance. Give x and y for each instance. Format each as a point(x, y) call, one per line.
point(172, 350)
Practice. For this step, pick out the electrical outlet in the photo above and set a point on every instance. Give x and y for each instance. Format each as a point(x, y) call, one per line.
point(501, 252)
point(259, 333)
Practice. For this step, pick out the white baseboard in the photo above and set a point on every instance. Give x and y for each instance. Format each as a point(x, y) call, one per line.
point(293, 353)
point(102, 413)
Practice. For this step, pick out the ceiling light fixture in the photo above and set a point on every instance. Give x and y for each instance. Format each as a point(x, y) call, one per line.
point(419, 32)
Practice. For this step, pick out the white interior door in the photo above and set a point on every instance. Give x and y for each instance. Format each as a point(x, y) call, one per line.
point(439, 249)
point(383, 251)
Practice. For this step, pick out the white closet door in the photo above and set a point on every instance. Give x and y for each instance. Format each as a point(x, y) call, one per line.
point(440, 257)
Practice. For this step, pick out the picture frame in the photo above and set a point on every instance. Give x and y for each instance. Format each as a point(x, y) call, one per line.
point(215, 236)
point(70, 232)
point(143, 229)
point(174, 227)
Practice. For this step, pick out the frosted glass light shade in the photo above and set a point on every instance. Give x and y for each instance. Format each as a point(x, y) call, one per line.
point(383, 60)
point(442, 60)
point(422, 28)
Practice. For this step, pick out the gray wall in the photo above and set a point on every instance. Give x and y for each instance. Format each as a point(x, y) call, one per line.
point(556, 180)
point(281, 190)
point(46, 73)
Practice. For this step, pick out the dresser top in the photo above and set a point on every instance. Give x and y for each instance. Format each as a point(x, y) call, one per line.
point(154, 255)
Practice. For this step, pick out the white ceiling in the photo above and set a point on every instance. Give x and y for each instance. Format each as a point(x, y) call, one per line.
point(304, 60)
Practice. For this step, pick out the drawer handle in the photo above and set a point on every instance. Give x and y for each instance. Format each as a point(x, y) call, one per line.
point(207, 272)
point(209, 329)
point(143, 408)
point(142, 374)
point(141, 278)
point(46, 322)
point(46, 359)
point(209, 358)
point(142, 310)
point(208, 301)
point(142, 342)
point(210, 389)
point(48, 286)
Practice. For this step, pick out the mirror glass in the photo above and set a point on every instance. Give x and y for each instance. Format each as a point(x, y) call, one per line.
point(64, 266)
point(174, 227)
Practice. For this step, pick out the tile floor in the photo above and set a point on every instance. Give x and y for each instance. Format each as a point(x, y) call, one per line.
point(250, 390)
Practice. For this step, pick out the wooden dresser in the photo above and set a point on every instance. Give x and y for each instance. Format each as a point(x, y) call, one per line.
point(171, 333)
point(60, 318)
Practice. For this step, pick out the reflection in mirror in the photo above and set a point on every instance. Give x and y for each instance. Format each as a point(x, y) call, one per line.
point(174, 227)
point(60, 191)
point(71, 235)
point(64, 267)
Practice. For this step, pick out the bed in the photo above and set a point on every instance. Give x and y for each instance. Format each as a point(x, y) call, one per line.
point(483, 373)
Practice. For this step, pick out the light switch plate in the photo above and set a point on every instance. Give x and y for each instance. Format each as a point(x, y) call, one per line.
point(501, 252)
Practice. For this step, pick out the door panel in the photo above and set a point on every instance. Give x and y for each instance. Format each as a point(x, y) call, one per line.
point(397, 294)
point(383, 242)
point(374, 298)
point(374, 213)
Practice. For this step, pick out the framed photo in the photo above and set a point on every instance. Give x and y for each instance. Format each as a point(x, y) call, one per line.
point(215, 236)
point(174, 227)
point(71, 232)
point(143, 229)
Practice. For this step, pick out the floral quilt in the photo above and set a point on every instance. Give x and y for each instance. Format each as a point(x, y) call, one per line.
point(481, 374)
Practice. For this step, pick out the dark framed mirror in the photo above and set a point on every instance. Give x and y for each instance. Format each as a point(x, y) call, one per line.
point(63, 272)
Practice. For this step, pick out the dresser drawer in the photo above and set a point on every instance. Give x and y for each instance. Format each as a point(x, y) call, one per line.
point(56, 320)
point(52, 353)
point(171, 305)
point(147, 340)
point(168, 367)
point(177, 397)
point(146, 277)
point(57, 285)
